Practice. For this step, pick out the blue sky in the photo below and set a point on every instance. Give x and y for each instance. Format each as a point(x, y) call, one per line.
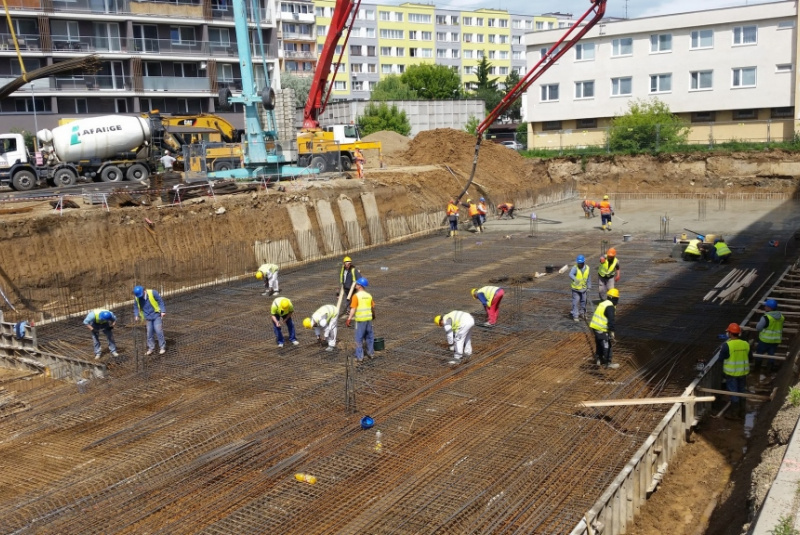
point(614, 8)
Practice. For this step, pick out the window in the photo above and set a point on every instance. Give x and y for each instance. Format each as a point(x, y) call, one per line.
point(386, 68)
point(467, 37)
point(398, 16)
point(426, 36)
point(492, 54)
point(72, 105)
point(539, 25)
point(504, 54)
point(454, 20)
point(660, 83)
point(186, 70)
point(369, 14)
point(584, 52)
point(219, 36)
point(401, 69)
point(467, 21)
point(785, 24)
point(385, 15)
point(320, 12)
point(515, 39)
point(503, 39)
point(661, 43)
point(441, 36)
point(419, 18)
point(454, 37)
point(412, 35)
point(745, 35)
point(427, 53)
point(584, 89)
point(702, 80)
point(504, 23)
point(782, 113)
point(400, 52)
point(492, 38)
point(372, 68)
point(392, 34)
point(355, 50)
point(549, 92)
point(356, 67)
point(622, 47)
point(491, 23)
point(370, 33)
point(358, 86)
point(703, 117)
point(62, 31)
point(479, 54)
point(479, 21)
point(528, 24)
point(551, 125)
point(455, 53)
point(516, 55)
point(322, 31)
point(441, 53)
point(783, 67)
point(586, 123)
point(372, 85)
point(339, 85)
point(182, 35)
point(702, 39)
point(386, 51)
point(25, 104)
point(621, 86)
point(479, 38)
point(371, 51)
point(468, 69)
point(550, 25)
point(744, 77)
point(468, 54)
point(516, 24)
point(441, 19)
point(503, 71)
point(739, 115)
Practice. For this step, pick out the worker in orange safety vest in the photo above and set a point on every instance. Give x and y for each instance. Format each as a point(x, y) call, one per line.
point(606, 211)
point(360, 161)
point(475, 215)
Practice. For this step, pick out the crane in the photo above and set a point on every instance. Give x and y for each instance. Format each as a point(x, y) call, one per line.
point(572, 36)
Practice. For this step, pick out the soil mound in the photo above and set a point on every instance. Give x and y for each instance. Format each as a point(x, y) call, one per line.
point(394, 145)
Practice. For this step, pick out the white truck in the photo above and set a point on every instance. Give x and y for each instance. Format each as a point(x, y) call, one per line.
point(111, 148)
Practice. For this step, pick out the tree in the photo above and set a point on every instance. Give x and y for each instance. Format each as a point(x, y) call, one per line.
point(301, 87)
point(472, 125)
point(648, 125)
point(380, 116)
point(393, 88)
point(514, 111)
point(522, 134)
point(487, 90)
point(433, 82)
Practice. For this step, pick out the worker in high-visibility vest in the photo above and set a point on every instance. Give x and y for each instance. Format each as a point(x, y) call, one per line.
point(149, 306)
point(458, 327)
point(506, 208)
point(606, 211)
point(735, 355)
point(360, 161)
point(721, 252)
point(103, 320)
point(603, 323)
point(482, 211)
point(325, 325)
point(490, 297)
point(269, 274)
point(692, 251)
point(281, 310)
point(452, 217)
point(770, 335)
point(362, 309)
point(474, 215)
point(581, 278)
point(608, 272)
point(588, 208)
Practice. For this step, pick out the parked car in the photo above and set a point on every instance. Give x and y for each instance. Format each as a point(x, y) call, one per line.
point(512, 145)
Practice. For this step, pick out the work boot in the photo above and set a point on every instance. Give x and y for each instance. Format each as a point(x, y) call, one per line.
point(576, 320)
point(612, 365)
point(97, 356)
point(162, 351)
point(603, 227)
point(330, 349)
point(114, 354)
point(149, 352)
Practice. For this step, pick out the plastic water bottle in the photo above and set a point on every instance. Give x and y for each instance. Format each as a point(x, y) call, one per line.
point(378, 443)
point(384, 268)
point(533, 216)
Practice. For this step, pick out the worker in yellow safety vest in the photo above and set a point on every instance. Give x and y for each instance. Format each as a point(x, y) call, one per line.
point(721, 253)
point(735, 355)
point(269, 274)
point(581, 283)
point(607, 273)
point(770, 334)
point(603, 323)
point(362, 308)
point(325, 325)
point(458, 328)
point(692, 251)
point(282, 310)
point(490, 297)
point(149, 306)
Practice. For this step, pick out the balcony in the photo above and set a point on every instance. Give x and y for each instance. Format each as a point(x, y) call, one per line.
point(295, 36)
point(296, 54)
point(306, 18)
point(26, 41)
point(176, 83)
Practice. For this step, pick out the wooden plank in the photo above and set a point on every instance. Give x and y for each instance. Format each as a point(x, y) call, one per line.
point(735, 394)
point(645, 401)
point(772, 357)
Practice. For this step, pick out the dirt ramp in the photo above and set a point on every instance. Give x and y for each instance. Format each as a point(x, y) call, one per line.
point(394, 146)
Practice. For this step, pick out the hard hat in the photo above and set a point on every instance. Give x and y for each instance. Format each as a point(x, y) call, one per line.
point(613, 292)
point(581, 259)
point(367, 422)
point(166, 152)
point(611, 252)
point(106, 315)
point(605, 197)
point(482, 199)
point(473, 292)
point(771, 303)
point(260, 275)
point(283, 304)
point(307, 323)
point(437, 319)
point(138, 291)
point(347, 259)
point(469, 201)
point(734, 328)
point(361, 281)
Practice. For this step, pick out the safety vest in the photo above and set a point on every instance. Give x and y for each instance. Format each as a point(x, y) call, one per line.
point(344, 272)
point(581, 278)
point(599, 320)
point(364, 308)
point(482, 208)
point(488, 292)
point(722, 248)
point(268, 269)
point(324, 312)
point(455, 317)
point(97, 312)
point(692, 248)
point(773, 332)
point(359, 156)
point(275, 309)
point(606, 269)
point(452, 209)
point(152, 300)
point(473, 209)
point(738, 363)
point(605, 207)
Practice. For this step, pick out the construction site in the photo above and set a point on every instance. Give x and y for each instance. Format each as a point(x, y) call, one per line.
point(227, 433)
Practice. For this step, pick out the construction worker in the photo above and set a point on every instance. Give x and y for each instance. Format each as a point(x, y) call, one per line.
point(606, 211)
point(348, 275)
point(324, 323)
point(608, 272)
point(282, 310)
point(149, 306)
point(735, 354)
point(581, 284)
point(98, 320)
point(458, 327)
point(588, 208)
point(482, 210)
point(603, 326)
point(269, 274)
point(360, 161)
point(490, 297)
point(721, 252)
point(506, 208)
point(475, 215)
point(770, 334)
point(693, 251)
point(452, 217)
point(168, 161)
point(362, 308)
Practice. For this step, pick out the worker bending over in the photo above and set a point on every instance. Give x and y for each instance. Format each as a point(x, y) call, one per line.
point(735, 355)
point(458, 327)
point(148, 305)
point(362, 308)
point(770, 334)
point(269, 274)
point(721, 252)
point(490, 297)
point(606, 211)
point(282, 310)
point(693, 250)
point(588, 208)
point(324, 323)
point(506, 208)
point(603, 326)
point(103, 320)
point(608, 272)
point(581, 284)
point(452, 217)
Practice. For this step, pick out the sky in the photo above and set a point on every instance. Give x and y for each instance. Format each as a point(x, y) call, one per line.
point(614, 8)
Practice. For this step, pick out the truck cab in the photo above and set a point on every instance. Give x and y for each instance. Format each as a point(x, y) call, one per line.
point(344, 133)
point(16, 169)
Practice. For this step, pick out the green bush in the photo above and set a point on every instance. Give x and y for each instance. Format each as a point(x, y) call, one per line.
point(648, 125)
point(380, 116)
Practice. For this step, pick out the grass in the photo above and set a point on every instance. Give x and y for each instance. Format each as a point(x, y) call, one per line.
point(785, 527)
point(794, 396)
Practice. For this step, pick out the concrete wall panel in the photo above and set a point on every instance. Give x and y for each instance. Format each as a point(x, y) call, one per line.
point(331, 238)
point(303, 231)
point(352, 227)
point(373, 218)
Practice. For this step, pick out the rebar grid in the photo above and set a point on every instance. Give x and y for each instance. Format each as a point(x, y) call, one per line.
point(207, 438)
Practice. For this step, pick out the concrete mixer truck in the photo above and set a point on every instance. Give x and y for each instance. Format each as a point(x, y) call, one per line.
point(110, 148)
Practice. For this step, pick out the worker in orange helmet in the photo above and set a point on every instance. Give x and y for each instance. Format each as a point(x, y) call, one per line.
point(607, 273)
point(606, 211)
point(735, 355)
point(588, 208)
point(360, 161)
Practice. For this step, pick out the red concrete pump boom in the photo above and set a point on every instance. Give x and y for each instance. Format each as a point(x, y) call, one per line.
point(572, 36)
point(320, 91)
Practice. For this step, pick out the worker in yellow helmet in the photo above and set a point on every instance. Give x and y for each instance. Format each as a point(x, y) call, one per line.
point(269, 274)
point(490, 297)
point(282, 310)
point(606, 211)
point(603, 327)
point(348, 275)
point(325, 326)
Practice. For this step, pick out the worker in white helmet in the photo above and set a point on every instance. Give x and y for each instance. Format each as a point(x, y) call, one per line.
point(324, 323)
point(269, 274)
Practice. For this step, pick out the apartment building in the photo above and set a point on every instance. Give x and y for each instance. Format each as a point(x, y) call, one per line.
point(170, 55)
point(297, 38)
point(733, 65)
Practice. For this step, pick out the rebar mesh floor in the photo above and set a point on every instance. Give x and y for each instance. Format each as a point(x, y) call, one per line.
point(207, 438)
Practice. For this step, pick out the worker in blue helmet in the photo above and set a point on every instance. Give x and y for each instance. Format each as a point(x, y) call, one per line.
point(482, 211)
point(103, 320)
point(770, 335)
point(362, 309)
point(581, 284)
point(148, 306)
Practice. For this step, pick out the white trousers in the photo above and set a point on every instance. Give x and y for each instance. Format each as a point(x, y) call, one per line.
point(461, 340)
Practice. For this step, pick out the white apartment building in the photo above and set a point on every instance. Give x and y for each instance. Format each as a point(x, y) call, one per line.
point(722, 65)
